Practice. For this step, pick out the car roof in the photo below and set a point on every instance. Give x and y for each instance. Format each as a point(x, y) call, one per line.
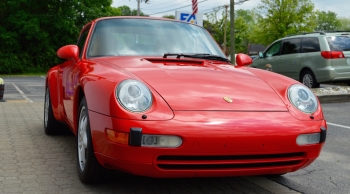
point(318, 33)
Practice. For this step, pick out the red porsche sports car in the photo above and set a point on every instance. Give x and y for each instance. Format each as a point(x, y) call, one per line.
point(157, 97)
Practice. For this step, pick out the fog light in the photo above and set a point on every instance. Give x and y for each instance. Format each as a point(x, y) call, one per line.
point(306, 139)
point(117, 137)
point(161, 141)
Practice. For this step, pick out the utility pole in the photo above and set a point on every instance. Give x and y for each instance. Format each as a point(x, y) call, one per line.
point(225, 27)
point(232, 31)
point(138, 7)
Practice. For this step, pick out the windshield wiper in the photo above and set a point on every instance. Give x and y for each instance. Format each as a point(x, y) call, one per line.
point(197, 55)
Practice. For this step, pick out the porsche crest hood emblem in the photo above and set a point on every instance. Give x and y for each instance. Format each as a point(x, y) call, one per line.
point(228, 99)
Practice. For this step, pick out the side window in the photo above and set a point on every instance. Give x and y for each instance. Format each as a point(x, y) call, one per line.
point(81, 41)
point(274, 49)
point(310, 44)
point(291, 46)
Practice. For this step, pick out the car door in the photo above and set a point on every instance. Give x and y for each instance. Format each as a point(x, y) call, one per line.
point(70, 73)
point(290, 58)
point(269, 57)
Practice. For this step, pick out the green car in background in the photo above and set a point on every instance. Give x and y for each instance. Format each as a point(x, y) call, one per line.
point(311, 58)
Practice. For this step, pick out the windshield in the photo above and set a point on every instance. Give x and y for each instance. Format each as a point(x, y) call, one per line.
point(339, 43)
point(147, 37)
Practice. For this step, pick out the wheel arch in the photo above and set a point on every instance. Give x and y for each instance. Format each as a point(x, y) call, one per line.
point(303, 70)
point(78, 96)
point(51, 82)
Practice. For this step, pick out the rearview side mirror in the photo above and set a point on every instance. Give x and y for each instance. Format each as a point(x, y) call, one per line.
point(261, 54)
point(243, 60)
point(68, 52)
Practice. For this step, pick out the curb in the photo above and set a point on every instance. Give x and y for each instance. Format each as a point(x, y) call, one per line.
point(334, 98)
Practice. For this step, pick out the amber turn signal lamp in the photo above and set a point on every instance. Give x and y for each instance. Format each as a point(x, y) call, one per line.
point(117, 137)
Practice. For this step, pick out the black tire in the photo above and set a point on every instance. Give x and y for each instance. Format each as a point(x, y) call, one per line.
point(51, 125)
point(308, 79)
point(90, 171)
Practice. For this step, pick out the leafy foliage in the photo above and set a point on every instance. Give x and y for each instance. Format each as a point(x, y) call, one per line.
point(126, 11)
point(32, 30)
point(245, 21)
point(279, 18)
point(344, 23)
point(169, 16)
point(327, 21)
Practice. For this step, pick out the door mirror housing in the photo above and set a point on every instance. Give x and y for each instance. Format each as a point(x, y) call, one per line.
point(243, 60)
point(68, 52)
point(261, 54)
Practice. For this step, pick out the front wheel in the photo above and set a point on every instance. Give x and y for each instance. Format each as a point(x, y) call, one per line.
point(50, 123)
point(308, 79)
point(90, 171)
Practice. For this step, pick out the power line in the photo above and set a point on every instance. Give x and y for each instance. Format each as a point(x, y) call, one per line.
point(176, 8)
point(163, 4)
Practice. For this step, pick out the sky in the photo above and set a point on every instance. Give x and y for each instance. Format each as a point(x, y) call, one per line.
point(158, 8)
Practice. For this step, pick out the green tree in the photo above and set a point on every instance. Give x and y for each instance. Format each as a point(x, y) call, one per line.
point(126, 11)
point(31, 31)
point(169, 16)
point(279, 18)
point(215, 25)
point(245, 20)
point(327, 21)
point(344, 23)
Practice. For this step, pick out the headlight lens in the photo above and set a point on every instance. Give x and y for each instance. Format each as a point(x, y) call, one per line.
point(134, 95)
point(302, 98)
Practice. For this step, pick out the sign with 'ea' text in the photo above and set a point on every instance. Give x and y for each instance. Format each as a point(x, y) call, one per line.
point(189, 17)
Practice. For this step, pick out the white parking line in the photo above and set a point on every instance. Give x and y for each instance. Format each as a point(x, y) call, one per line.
point(20, 91)
point(43, 77)
point(343, 126)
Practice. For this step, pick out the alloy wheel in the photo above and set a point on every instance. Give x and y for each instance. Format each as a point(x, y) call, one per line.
point(82, 139)
point(307, 80)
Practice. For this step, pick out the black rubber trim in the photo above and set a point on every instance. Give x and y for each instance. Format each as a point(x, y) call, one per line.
point(323, 134)
point(135, 136)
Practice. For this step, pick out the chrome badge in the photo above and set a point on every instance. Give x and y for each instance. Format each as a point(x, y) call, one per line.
point(228, 99)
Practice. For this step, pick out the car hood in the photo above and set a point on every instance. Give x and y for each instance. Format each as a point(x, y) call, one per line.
point(201, 85)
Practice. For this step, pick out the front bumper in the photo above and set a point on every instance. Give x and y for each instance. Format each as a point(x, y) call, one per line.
point(213, 144)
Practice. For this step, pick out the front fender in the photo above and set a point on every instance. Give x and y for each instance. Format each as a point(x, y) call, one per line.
point(101, 98)
point(52, 78)
point(280, 84)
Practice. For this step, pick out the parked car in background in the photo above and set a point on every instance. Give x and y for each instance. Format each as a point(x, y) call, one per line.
point(311, 58)
point(254, 56)
point(138, 103)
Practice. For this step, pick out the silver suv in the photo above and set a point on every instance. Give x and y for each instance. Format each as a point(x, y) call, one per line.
point(311, 58)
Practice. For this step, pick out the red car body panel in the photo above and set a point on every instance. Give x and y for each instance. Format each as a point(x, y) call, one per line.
point(201, 84)
point(255, 134)
point(225, 135)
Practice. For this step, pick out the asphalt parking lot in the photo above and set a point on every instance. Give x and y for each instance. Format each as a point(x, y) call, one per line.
point(32, 162)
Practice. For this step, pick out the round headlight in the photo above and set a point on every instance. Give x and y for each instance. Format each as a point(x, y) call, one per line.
point(302, 98)
point(134, 95)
